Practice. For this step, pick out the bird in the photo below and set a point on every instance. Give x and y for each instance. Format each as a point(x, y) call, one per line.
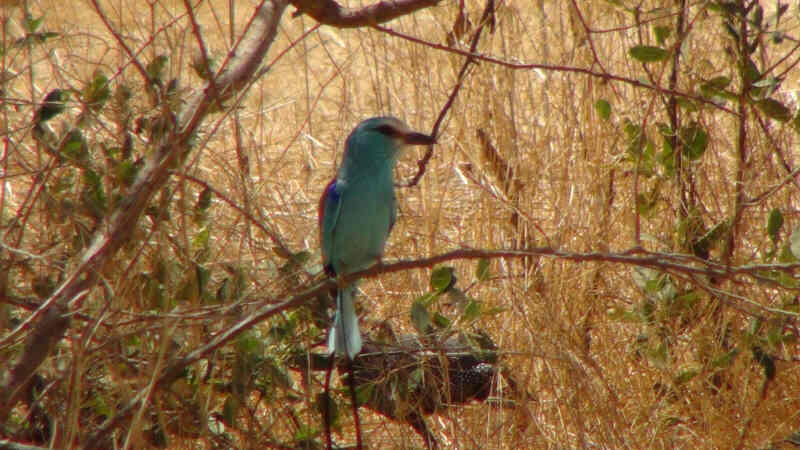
point(357, 211)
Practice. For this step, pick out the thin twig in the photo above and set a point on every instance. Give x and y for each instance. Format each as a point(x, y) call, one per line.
point(422, 164)
point(557, 68)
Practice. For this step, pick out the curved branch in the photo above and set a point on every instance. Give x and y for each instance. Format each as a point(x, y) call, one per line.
point(687, 265)
point(117, 228)
point(332, 13)
point(558, 68)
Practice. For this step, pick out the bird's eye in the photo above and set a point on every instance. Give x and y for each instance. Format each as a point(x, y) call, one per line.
point(388, 130)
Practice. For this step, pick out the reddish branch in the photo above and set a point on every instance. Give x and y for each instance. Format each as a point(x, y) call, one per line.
point(330, 12)
point(49, 323)
point(686, 266)
point(487, 18)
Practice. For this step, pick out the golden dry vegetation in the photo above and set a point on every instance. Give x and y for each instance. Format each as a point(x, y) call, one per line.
point(616, 350)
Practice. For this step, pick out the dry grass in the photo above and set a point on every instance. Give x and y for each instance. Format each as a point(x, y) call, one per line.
point(557, 176)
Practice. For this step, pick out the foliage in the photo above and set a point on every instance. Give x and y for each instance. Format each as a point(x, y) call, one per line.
point(662, 129)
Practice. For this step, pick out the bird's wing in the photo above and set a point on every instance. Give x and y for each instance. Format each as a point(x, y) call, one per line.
point(330, 205)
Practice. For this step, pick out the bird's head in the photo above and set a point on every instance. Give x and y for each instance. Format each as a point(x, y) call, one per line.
point(387, 134)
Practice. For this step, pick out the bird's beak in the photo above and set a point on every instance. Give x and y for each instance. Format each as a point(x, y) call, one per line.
point(418, 139)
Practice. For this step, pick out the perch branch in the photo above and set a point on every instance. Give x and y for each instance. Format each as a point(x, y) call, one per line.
point(329, 12)
point(689, 266)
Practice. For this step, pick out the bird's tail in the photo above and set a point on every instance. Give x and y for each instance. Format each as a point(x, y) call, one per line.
point(345, 338)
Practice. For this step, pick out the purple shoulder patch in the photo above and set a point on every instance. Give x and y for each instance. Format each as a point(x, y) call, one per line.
point(331, 191)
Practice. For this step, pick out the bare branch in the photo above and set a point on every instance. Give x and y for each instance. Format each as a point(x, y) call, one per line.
point(487, 18)
point(559, 68)
point(689, 266)
point(117, 228)
point(668, 262)
point(332, 13)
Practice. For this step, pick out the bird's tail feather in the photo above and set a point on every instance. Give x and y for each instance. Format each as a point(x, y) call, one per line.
point(345, 338)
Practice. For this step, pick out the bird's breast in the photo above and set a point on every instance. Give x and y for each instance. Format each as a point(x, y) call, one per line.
point(367, 208)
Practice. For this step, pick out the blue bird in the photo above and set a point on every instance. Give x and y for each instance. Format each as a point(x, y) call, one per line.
point(356, 215)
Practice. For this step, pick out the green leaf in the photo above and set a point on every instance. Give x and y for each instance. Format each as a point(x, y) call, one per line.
point(155, 69)
point(724, 360)
point(31, 24)
point(97, 92)
point(441, 321)
point(666, 157)
point(685, 375)
point(230, 410)
point(126, 172)
point(428, 298)
point(662, 33)
point(364, 393)
point(420, 317)
point(796, 122)
point(305, 436)
point(248, 344)
point(703, 245)
point(695, 141)
point(774, 109)
point(658, 356)
point(774, 224)
point(471, 311)
point(416, 379)
point(714, 86)
point(34, 38)
point(642, 276)
point(93, 195)
point(441, 278)
point(786, 256)
point(603, 108)
point(727, 8)
point(757, 16)
point(648, 53)
point(687, 105)
point(750, 72)
point(766, 361)
point(634, 134)
point(52, 105)
point(482, 270)
point(687, 301)
point(204, 199)
point(795, 243)
point(75, 146)
point(645, 204)
point(201, 239)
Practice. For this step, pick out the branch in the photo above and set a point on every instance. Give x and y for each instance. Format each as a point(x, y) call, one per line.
point(687, 265)
point(329, 12)
point(422, 164)
point(117, 228)
point(174, 371)
point(558, 68)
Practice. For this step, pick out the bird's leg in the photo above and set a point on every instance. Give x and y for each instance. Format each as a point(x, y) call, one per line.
point(326, 415)
point(354, 400)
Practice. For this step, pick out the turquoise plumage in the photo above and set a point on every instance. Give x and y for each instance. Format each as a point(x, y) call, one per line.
point(356, 214)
